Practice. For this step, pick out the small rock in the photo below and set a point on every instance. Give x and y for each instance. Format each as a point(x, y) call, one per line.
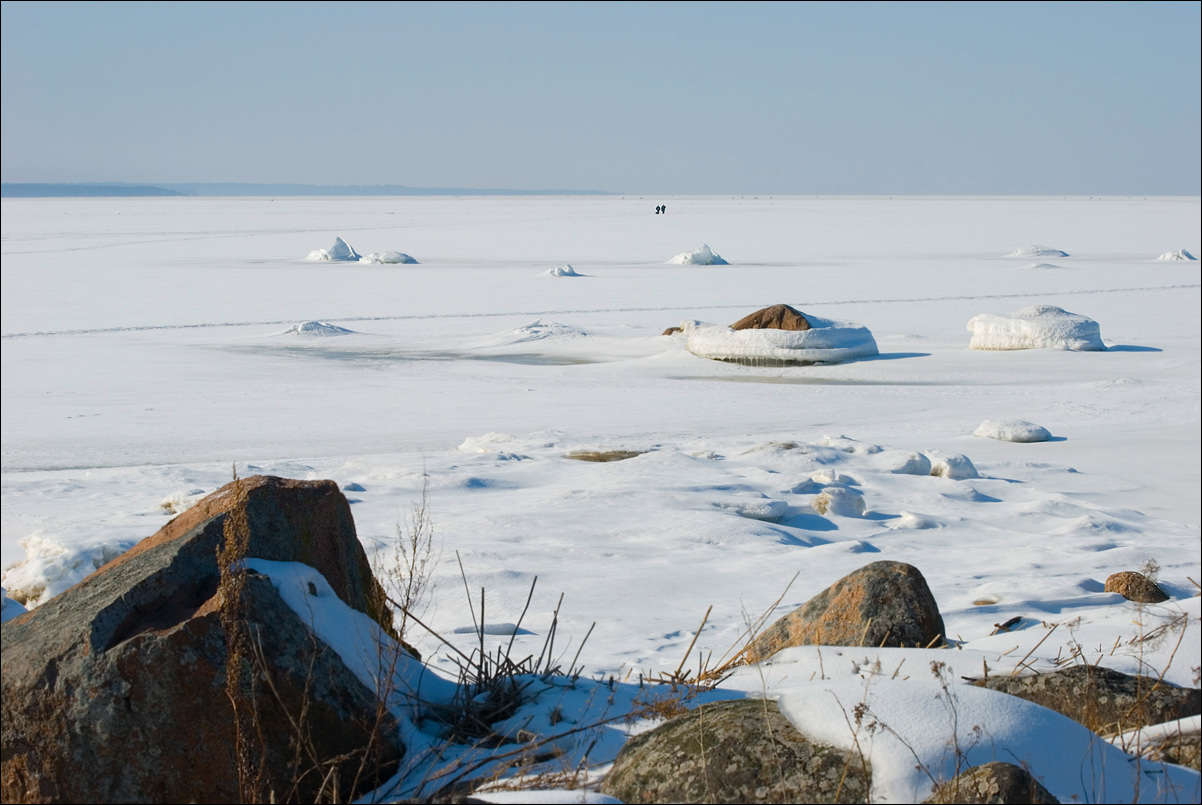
point(737, 751)
point(881, 604)
point(1184, 750)
point(1135, 586)
point(777, 317)
point(996, 783)
point(1105, 700)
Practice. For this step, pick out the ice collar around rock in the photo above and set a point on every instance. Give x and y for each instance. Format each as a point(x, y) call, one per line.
point(1035, 327)
point(826, 341)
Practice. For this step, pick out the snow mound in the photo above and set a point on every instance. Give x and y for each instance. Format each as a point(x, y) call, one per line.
point(699, 257)
point(50, 567)
point(340, 252)
point(180, 502)
point(316, 329)
point(953, 466)
point(537, 330)
point(1037, 251)
point(1035, 327)
point(839, 500)
point(1012, 430)
point(1180, 254)
point(901, 462)
point(762, 508)
point(910, 521)
point(561, 271)
point(388, 258)
point(827, 341)
point(1040, 266)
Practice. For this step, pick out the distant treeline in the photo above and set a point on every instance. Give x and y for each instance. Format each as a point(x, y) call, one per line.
point(14, 190)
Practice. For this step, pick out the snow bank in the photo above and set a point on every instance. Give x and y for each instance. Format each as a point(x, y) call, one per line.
point(561, 271)
point(699, 257)
point(316, 329)
point(1012, 430)
point(1035, 327)
point(1037, 251)
point(50, 567)
point(340, 252)
point(827, 341)
point(1180, 254)
point(387, 258)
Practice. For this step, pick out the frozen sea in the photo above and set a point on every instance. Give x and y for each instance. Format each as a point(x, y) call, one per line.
point(147, 350)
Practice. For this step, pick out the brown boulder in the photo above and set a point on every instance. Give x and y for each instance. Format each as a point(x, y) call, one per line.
point(672, 331)
point(1135, 586)
point(995, 783)
point(115, 691)
point(777, 317)
point(881, 604)
point(1105, 700)
point(738, 751)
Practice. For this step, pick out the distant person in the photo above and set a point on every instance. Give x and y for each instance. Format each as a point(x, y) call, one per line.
point(657, 209)
point(665, 209)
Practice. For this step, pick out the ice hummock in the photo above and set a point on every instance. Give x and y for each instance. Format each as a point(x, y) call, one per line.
point(1012, 430)
point(390, 257)
point(340, 252)
point(1180, 254)
point(316, 329)
point(704, 256)
point(827, 341)
point(564, 270)
point(1037, 251)
point(1035, 327)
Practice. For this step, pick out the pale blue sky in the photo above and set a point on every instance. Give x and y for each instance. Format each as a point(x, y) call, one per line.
point(1072, 98)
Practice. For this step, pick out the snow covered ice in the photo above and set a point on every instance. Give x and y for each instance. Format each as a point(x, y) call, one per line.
point(138, 369)
point(1035, 327)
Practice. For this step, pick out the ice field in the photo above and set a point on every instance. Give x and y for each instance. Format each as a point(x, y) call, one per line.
point(150, 345)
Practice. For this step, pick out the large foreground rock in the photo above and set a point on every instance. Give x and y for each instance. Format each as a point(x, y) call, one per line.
point(741, 751)
point(881, 604)
point(115, 691)
point(994, 783)
point(776, 317)
point(1105, 700)
point(1135, 586)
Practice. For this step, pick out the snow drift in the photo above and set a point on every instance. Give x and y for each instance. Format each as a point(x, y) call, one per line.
point(699, 257)
point(1035, 327)
point(1012, 430)
point(316, 329)
point(387, 258)
point(1037, 251)
point(827, 341)
point(561, 271)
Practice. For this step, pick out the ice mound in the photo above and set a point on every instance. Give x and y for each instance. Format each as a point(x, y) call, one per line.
point(1035, 327)
point(561, 271)
point(1180, 254)
point(50, 567)
point(316, 329)
point(827, 341)
point(839, 500)
point(536, 330)
point(762, 508)
point(699, 257)
point(1012, 430)
point(387, 258)
point(1037, 251)
point(340, 252)
point(954, 466)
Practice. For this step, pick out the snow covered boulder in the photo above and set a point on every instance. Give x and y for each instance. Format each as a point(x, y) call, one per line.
point(1135, 586)
point(881, 604)
point(954, 466)
point(388, 258)
point(825, 341)
point(561, 271)
point(1037, 251)
point(1012, 430)
point(704, 256)
point(734, 751)
point(776, 317)
point(1035, 327)
point(1180, 254)
point(340, 252)
point(110, 688)
point(840, 501)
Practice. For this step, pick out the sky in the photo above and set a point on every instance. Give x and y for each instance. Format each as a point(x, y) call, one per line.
point(669, 98)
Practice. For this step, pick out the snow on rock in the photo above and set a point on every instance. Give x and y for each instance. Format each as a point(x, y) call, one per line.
point(827, 341)
point(388, 258)
point(316, 329)
point(561, 271)
point(953, 466)
point(50, 567)
point(1035, 327)
point(1180, 254)
point(1037, 251)
point(839, 500)
point(340, 252)
point(902, 462)
point(179, 502)
point(704, 256)
point(1012, 430)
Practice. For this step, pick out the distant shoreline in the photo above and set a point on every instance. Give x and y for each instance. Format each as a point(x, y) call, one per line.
point(121, 189)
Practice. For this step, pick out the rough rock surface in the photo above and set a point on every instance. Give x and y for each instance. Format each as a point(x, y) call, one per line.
point(1135, 586)
point(739, 751)
point(1184, 750)
point(115, 691)
point(1105, 700)
point(777, 317)
point(994, 783)
point(881, 604)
